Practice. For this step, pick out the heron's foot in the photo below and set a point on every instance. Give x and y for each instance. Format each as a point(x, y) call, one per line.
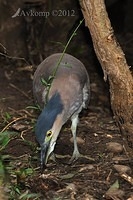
point(77, 155)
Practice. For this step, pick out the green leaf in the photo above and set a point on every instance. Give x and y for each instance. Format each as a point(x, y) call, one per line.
point(7, 115)
point(67, 176)
point(17, 190)
point(33, 107)
point(50, 78)
point(26, 196)
point(4, 142)
point(68, 65)
point(29, 171)
point(44, 82)
point(5, 138)
point(2, 170)
point(115, 185)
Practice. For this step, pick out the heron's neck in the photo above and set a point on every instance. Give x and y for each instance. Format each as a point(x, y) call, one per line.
point(48, 116)
point(54, 104)
point(57, 126)
point(53, 108)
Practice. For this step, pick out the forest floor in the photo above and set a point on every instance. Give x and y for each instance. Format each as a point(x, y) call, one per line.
point(107, 176)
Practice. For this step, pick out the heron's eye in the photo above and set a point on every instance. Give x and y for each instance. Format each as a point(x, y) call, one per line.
point(48, 136)
point(49, 133)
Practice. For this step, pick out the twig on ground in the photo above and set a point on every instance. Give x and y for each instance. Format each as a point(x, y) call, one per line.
point(6, 127)
point(22, 92)
point(128, 178)
point(24, 131)
point(11, 57)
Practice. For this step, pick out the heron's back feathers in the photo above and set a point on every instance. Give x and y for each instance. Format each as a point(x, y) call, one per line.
point(71, 82)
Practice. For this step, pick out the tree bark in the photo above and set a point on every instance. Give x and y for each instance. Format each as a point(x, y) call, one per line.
point(114, 65)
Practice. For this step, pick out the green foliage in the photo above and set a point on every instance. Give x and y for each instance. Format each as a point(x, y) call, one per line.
point(5, 138)
point(14, 176)
point(16, 193)
point(16, 171)
point(7, 116)
point(48, 82)
point(26, 196)
point(37, 107)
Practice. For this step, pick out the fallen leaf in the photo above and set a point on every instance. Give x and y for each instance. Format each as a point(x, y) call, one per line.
point(67, 176)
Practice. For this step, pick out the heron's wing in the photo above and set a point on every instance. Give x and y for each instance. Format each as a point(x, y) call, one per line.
point(71, 80)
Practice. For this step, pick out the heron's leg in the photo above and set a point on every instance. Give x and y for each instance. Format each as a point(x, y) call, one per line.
point(76, 153)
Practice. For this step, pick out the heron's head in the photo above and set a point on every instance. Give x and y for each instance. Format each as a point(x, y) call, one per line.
point(48, 127)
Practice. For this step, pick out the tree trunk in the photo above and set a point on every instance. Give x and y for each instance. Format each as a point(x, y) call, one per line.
point(114, 65)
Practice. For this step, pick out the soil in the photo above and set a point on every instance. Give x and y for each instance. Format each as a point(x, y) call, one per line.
point(85, 179)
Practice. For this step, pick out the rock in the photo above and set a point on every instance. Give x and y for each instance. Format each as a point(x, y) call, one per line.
point(123, 169)
point(131, 197)
point(79, 140)
point(114, 147)
point(114, 193)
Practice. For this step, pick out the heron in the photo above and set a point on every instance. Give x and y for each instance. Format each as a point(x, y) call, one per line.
point(64, 96)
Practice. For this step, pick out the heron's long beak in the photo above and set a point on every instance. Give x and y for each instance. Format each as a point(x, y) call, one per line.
point(44, 150)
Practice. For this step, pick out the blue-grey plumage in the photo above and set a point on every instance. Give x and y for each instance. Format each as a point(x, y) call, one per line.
point(46, 121)
point(68, 94)
point(48, 116)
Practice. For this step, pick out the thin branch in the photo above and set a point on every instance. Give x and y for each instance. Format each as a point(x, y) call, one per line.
point(22, 92)
point(60, 59)
point(3, 47)
point(15, 120)
point(13, 57)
